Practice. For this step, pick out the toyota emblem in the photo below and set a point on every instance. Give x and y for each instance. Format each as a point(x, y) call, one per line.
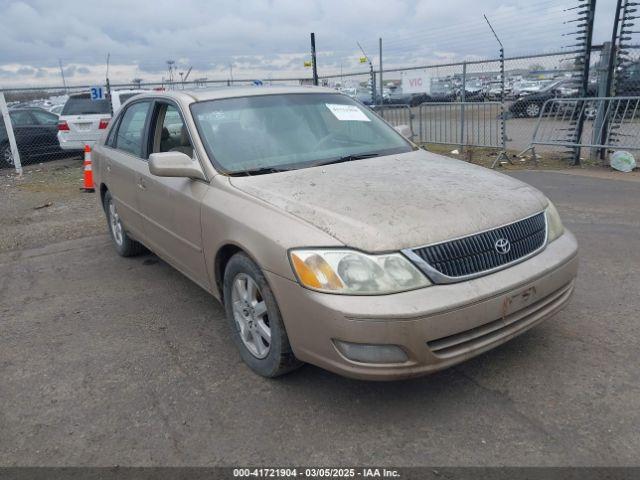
point(502, 246)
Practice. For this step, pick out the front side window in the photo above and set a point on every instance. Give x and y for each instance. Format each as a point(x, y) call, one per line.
point(289, 131)
point(130, 134)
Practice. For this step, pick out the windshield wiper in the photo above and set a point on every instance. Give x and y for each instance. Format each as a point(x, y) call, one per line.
point(266, 170)
point(257, 171)
point(348, 158)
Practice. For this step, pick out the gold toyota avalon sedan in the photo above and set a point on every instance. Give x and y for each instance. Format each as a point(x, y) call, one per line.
point(329, 237)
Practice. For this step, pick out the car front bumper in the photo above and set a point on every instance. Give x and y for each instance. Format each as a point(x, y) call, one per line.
point(437, 326)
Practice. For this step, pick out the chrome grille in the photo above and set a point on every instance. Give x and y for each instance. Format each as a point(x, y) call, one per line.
point(474, 255)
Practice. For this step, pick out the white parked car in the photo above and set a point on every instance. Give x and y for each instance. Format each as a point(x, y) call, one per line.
point(57, 109)
point(82, 121)
point(120, 97)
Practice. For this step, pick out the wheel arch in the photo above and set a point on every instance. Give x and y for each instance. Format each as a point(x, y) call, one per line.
point(103, 191)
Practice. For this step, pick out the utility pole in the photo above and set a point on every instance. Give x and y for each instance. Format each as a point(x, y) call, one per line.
point(313, 59)
point(64, 82)
point(371, 74)
point(380, 61)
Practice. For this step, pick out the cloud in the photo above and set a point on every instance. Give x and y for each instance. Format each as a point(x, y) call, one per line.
point(265, 37)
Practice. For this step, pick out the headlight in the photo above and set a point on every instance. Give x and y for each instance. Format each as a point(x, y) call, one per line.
point(554, 224)
point(354, 273)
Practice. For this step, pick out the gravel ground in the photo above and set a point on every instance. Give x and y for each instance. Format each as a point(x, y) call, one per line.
point(111, 361)
point(46, 205)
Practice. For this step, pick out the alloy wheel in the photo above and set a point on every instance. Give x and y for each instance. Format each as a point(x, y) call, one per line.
point(251, 316)
point(116, 224)
point(533, 110)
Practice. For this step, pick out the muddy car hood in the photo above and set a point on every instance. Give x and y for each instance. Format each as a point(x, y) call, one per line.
point(397, 201)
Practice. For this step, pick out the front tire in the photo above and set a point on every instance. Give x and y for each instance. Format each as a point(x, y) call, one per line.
point(253, 314)
point(125, 245)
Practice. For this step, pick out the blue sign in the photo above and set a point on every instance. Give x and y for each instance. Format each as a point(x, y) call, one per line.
point(96, 93)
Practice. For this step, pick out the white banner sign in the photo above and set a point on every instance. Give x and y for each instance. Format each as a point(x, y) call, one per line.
point(416, 81)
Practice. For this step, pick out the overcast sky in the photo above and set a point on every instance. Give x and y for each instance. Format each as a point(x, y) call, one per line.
point(265, 38)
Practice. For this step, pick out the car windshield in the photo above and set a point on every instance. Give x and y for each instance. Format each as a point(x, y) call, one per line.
point(83, 105)
point(289, 131)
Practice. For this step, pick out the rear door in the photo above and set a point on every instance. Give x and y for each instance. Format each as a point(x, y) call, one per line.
point(122, 163)
point(47, 124)
point(171, 206)
point(26, 132)
point(85, 118)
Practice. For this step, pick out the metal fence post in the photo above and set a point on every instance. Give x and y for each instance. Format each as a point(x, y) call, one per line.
point(12, 139)
point(602, 75)
point(463, 95)
point(381, 84)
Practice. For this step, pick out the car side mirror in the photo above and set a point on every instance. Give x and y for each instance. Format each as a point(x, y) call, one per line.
point(174, 164)
point(404, 130)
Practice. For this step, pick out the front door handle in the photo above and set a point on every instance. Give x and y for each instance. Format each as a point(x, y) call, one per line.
point(141, 183)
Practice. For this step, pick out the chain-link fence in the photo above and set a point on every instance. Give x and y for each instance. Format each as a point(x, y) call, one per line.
point(461, 104)
point(464, 103)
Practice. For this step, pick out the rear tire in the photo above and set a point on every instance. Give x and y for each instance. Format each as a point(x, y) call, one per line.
point(254, 317)
point(533, 110)
point(125, 245)
point(6, 156)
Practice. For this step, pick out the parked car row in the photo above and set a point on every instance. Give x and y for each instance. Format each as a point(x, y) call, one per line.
point(35, 131)
point(49, 131)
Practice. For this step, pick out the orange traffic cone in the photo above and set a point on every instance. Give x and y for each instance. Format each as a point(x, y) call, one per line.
point(88, 171)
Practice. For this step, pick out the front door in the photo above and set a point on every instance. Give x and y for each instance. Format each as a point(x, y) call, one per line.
point(171, 206)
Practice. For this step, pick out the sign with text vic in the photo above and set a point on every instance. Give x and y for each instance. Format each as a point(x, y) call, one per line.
point(416, 81)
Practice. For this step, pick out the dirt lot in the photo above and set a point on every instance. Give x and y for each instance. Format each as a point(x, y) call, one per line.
point(46, 205)
point(112, 361)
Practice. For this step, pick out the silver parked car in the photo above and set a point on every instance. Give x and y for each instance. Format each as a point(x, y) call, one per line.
point(328, 237)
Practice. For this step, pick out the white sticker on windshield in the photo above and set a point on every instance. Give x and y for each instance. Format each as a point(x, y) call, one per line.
point(347, 112)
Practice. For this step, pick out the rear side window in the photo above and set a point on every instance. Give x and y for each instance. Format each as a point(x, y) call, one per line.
point(131, 129)
point(83, 105)
point(45, 118)
point(21, 118)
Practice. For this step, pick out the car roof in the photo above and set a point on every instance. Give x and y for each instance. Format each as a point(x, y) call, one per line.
point(17, 109)
point(130, 90)
point(203, 94)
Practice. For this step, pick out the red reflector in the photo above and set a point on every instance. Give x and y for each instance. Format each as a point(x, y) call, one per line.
point(63, 126)
point(103, 123)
